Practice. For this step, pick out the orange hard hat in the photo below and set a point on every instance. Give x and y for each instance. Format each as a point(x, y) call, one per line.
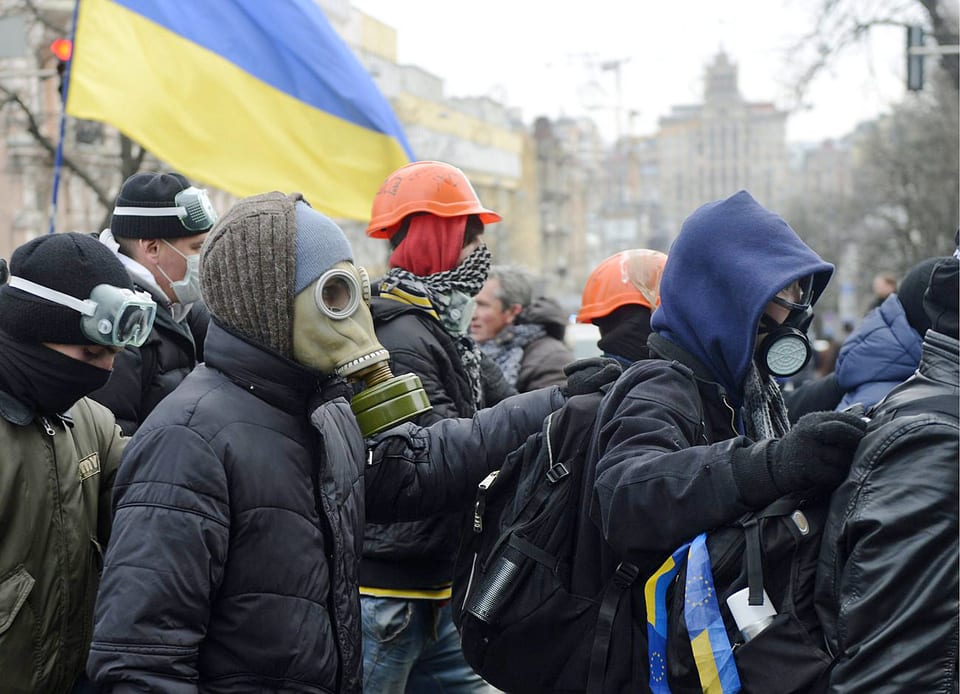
point(424, 186)
point(628, 277)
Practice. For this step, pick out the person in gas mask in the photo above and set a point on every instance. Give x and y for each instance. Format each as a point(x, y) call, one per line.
point(65, 312)
point(158, 226)
point(422, 308)
point(241, 500)
point(702, 435)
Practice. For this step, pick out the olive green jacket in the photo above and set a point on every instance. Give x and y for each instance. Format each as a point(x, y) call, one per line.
point(55, 480)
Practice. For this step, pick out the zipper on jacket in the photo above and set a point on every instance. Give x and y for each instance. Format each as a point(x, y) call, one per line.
point(48, 427)
point(62, 548)
point(733, 413)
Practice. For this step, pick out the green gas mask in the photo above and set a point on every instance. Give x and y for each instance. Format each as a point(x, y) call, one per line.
point(333, 333)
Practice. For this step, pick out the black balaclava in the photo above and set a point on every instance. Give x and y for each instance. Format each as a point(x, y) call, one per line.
point(624, 332)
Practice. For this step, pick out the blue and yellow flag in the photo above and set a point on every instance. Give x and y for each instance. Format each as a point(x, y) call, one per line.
point(244, 95)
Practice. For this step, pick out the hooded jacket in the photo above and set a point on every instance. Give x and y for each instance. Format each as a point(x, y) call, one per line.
point(887, 584)
point(881, 353)
point(56, 474)
point(239, 511)
point(668, 431)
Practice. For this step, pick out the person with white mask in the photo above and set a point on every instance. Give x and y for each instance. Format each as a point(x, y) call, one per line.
point(159, 223)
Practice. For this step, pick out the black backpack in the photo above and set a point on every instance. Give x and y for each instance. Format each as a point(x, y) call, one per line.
point(776, 550)
point(522, 628)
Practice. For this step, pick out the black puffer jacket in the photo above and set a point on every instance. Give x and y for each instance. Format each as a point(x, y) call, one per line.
point(143, 376)
point(420, 554)
point(887, 586)
point(233, 564)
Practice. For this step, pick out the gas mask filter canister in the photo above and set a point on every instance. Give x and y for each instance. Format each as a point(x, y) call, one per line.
point(334, 333)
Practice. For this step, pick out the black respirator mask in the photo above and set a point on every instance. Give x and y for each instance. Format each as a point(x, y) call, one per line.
point(786, 349)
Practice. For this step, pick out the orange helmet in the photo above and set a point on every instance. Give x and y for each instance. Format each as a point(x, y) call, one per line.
point(629, 277)
point(424, 186)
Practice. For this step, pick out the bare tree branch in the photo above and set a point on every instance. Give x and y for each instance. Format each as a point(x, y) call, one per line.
point(34, 129)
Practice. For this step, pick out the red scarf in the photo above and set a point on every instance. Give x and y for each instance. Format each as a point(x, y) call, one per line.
point(432, 245)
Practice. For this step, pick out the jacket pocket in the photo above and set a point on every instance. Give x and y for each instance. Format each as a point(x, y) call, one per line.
point(14, 589)
point(781, 659)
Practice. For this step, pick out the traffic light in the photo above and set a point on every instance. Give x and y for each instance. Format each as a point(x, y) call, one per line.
point(915, 38)
point(63, 50)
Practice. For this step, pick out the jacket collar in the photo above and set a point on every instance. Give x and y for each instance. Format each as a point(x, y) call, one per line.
point(279, 381)
point(939, 361)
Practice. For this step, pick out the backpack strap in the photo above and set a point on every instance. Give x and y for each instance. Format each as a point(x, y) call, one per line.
point(621, 580)
point(754, 555)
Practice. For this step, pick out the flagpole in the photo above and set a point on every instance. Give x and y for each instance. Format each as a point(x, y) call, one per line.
point(58, 157)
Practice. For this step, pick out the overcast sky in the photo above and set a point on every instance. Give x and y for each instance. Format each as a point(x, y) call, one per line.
point(544, 56)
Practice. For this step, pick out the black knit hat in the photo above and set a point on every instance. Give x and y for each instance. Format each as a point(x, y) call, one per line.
point(70, 263)
point(943, 297)
point(910, 293)
point(150, 190)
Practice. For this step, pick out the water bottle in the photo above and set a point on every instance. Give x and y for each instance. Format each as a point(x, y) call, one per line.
point(750, 619)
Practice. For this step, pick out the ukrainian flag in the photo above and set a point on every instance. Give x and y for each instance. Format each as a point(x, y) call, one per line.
point(244, 95)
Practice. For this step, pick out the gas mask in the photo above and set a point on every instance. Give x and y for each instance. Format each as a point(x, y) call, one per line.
point(785, 349)
point(333, 333)
point(457, 312)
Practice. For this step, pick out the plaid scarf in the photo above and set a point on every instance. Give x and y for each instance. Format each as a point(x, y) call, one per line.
point(506, 349)
point(766, 415)
point(436, 294)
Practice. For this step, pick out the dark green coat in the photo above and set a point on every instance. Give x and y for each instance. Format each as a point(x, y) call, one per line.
point(55, 481)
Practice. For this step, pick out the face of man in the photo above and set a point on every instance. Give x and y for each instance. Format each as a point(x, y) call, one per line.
point(96, 355)
point(491, 316)
point(167, 259)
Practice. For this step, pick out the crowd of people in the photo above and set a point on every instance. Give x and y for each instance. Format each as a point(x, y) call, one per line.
point(236, 463)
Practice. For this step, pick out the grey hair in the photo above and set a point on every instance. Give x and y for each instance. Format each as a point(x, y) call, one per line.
point(516, 285)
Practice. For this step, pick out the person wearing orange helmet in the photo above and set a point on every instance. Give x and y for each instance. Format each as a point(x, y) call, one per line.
point(422, 308)
point(619, 296)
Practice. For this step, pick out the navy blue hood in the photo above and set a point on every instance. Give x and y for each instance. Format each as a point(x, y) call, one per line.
point(729, 260)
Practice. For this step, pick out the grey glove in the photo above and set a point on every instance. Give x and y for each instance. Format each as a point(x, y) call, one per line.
point(590, 375)
point(813, 457)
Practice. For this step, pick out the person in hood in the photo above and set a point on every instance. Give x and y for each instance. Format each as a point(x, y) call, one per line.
point(158, 226)
point(619, 297)
point(523, 334)
point(241, 500)
point(701, 436)
point(887, 583)
point(66, 310)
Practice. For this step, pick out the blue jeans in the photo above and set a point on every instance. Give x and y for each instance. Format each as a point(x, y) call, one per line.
point(412, 646)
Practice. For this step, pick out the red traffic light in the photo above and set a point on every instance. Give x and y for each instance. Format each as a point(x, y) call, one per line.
point(62, 48)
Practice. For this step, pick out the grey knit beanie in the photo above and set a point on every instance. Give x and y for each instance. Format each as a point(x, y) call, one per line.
point(256, 259)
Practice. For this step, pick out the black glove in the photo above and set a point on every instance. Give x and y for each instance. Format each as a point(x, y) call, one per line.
point(816, 453)
point(814, 456)
point(589, 375)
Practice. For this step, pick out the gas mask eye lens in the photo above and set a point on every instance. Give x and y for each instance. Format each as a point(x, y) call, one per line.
point(337, 294)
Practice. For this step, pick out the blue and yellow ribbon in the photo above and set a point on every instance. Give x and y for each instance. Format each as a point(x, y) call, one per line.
point(708, 636)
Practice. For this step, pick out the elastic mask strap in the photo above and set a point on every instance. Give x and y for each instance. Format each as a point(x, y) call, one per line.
point(87, 308)
point(151, 211)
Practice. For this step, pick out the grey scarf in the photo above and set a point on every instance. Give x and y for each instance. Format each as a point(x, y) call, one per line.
point(765, 414)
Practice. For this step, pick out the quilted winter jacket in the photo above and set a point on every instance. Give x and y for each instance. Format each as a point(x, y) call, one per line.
point(887, 584)
point(419, 554)
point(239, 508)
point(881, 353)
point(55, 481)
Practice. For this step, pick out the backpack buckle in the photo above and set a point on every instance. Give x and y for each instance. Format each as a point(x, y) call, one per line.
point(557, 472)
point(625, 575)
